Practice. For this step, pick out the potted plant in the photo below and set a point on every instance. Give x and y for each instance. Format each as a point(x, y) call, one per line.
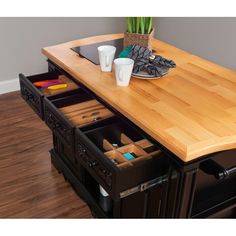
point(139, 31)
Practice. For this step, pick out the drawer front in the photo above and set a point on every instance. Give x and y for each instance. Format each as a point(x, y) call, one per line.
point(58, 123)
point(63, 149)
point(34, 95)
point(31, 95)
point(94, 165)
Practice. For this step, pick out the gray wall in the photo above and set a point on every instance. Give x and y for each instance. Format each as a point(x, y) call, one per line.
point(211, 38)
point(21, 39)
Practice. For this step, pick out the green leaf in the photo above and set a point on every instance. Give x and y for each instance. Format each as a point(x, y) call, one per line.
point(147, 20)
point(137, 24)
point(145, 24)
point(129, 24)
point(142, 25)
point(133, 24)
point(150, 25)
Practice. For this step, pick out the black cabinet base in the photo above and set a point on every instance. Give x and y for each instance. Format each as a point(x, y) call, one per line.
point(144, 204)
point(60, 165)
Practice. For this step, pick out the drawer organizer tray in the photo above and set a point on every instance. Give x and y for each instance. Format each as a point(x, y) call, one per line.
point(34, 95)
point(135, 150)
point(85, 112)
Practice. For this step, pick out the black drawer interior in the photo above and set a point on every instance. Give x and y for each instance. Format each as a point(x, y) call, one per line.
point(113, 134)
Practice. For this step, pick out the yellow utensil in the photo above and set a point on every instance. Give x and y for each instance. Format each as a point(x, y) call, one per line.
point(57, 86)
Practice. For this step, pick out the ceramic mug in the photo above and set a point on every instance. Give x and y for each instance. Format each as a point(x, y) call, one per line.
point(123, 70)
point(106, 55)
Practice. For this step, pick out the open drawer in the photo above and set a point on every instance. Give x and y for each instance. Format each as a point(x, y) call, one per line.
point(33, 94)
point(74, 109)
point(120, 159)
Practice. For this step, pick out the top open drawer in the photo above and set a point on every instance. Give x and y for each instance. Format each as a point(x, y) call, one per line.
point(34, 94)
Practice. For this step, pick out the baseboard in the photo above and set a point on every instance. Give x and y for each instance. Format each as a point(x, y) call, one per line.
point(11, 85)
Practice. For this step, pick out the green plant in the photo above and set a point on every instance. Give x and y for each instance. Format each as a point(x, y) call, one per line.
point(139, 25)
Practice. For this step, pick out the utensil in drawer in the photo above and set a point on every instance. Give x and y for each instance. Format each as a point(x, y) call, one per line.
point(92, 114)
point(90, 117)
point(97, 118)
point(46, 85)
point(58, 86)
point(129, 156)
point(115, 161)
point(84, 121)
point(115, 145)
point(43, 82)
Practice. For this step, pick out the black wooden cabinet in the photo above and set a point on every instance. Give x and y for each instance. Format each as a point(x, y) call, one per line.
point(156, 184)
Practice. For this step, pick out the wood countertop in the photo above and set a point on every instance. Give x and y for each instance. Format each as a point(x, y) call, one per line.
point(191, 111)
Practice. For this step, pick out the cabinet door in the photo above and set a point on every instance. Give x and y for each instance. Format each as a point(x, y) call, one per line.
point(146, 204)
point(215, 185)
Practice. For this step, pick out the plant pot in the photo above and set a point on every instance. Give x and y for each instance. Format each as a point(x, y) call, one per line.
point(144, 40)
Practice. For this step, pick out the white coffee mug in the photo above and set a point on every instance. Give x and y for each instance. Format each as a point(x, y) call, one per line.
point(123, 70)
point(106, 55)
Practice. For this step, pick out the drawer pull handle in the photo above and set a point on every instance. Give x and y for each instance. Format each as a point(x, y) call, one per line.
point(54, 123)
point(57, 125)
point(92, 164)
point(29, 96)
point(81, 151)
point(219, 172)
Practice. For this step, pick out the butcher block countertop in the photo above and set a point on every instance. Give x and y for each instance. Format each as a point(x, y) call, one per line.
point(191, 111)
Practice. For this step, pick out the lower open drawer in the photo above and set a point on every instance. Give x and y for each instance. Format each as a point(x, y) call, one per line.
point(120, 158)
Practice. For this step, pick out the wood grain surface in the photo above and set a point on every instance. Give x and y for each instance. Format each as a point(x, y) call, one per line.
point(86, 112)
point(30, 186)
point(191, 111)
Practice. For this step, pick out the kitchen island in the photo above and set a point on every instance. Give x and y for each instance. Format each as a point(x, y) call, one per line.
point(181, 128)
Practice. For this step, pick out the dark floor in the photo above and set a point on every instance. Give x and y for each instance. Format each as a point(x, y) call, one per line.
point(30, 187)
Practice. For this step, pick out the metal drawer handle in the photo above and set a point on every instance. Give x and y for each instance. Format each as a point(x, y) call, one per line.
point(50, 119)
point(82, 154)
point(29, 96)
point(92, 164)
point(53, 122)
point(81, 151)
point(219, 172)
